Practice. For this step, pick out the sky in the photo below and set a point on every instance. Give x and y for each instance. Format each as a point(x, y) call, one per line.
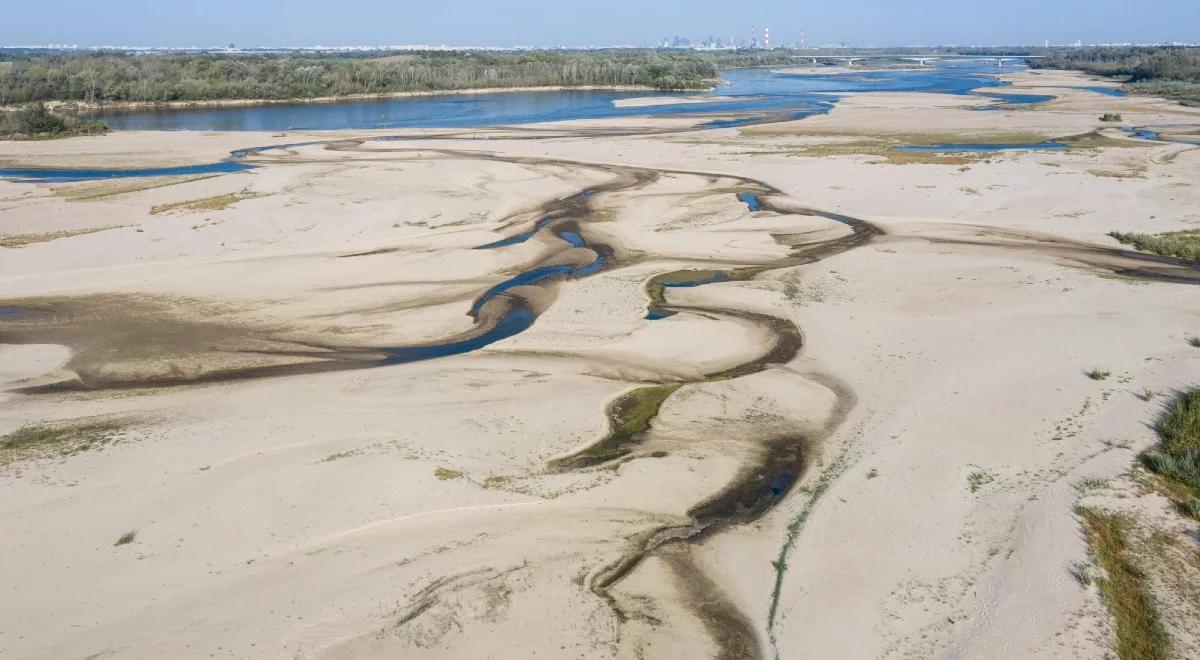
point(597, 22)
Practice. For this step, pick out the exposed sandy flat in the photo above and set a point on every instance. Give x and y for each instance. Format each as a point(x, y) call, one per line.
point(649, 101)
point(294, 496)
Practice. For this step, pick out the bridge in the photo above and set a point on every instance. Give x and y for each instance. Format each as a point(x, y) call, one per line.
point(923, 60)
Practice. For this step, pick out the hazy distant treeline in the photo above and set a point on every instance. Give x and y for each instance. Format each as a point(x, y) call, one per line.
point(1166, 71)
point(106, 77)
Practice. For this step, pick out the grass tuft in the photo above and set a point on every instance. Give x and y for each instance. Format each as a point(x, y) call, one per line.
point(21, 240)
point(1176, 459)
point(126, 538)
point(1098, 374)
point(59, 439)
point(977, 480)
point(1125, 589)
point(1179, 428)
point(445, 474)
point(1194, 342)
point(215, 203)
point(1179, 244)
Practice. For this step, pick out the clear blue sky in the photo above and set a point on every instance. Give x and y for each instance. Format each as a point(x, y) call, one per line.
point(568, 22)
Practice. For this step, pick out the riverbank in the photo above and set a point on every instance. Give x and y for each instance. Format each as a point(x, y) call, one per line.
point(862, 369)
point(1151, 71)
point(131, 106)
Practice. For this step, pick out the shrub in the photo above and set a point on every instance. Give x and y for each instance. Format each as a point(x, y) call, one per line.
point(1177, 457)
point(36, 120)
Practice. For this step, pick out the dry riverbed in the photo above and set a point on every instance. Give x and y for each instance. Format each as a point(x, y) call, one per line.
point(783, 390)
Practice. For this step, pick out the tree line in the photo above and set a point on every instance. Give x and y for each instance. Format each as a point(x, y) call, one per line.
point(1137, 63)
point(1167, 71)
point(155, 78)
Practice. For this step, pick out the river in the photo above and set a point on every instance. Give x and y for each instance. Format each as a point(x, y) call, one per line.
point(750, 91)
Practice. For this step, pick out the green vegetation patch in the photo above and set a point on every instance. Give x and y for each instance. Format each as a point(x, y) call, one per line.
point(1167, 71)
point(655, 288)
point(85, 191)
point(21, 240)
point(812, 496)
point(1098, 374)
point(96, 78)
point(977, 480)
point(446, 474)
point(60, 439)
point(214, 203)
point(1096, 140)
point(1179, 244)
point(1187, 93)
point(631, 416)
point(1176, 459)
point(1125, 589)
point(36, 122)
point(126, 538)
point(1179, 428)
point(887, 145)
point(628, 417)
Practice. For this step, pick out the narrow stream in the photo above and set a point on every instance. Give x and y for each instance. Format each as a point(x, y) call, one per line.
point(518, 319)
point(69, 175)
point(1049, 145)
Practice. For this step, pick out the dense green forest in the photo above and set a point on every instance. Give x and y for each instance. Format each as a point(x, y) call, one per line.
point(1173, 72)
point(102, 77)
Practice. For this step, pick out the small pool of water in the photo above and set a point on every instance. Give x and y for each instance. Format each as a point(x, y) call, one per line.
point(572, 237)
point(1140, 133)
point(1106, 91)
point(1015, 99)
point(751, 200)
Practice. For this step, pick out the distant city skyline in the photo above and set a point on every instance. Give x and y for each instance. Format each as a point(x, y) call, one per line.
point(514, 23)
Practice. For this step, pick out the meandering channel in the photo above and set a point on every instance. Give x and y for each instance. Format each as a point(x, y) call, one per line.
point(505, 309)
